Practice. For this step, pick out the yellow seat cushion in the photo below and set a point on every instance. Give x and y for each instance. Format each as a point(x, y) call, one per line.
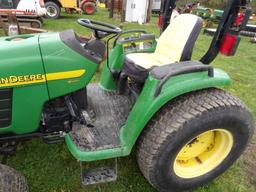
point(148, 60)
point(175, 42)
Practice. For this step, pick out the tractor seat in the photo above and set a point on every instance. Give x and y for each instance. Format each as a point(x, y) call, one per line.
point(174, 45)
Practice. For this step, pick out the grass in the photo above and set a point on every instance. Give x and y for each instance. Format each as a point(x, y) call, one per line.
point(51, 168)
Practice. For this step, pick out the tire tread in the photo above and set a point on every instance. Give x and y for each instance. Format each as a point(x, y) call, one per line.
point(180, 110)
point(12, 180)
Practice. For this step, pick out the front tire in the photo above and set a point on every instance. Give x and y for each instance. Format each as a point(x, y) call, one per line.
point(11, 180)
point(53, 10)
point(89, 8)
point(193, 139)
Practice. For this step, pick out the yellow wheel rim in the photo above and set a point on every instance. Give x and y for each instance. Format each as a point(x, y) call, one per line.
point(203, 153)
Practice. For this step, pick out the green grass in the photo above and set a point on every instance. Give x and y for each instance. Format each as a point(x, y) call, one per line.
point(51, 168)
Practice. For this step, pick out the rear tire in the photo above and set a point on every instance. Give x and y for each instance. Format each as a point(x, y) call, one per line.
point(180, 124)
point(53, 10)
point(12, 180)
point(89, 8)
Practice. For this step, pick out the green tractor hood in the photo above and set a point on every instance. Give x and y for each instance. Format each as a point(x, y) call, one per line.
point(34, 59)
point(35, 69)
point(20, 58)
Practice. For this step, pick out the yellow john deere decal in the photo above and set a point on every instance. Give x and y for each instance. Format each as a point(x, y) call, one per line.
point(21, 80)
point(64, 75)
point(39, 78)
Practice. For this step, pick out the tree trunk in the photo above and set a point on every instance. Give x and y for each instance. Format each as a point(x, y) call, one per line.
point(149, 12)
point(123, 12)
point(111, 7)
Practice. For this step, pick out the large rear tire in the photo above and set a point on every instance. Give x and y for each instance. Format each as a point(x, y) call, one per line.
point(193, 139)
point(12, 180)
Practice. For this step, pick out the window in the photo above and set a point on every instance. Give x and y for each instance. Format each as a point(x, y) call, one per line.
point(9, 4)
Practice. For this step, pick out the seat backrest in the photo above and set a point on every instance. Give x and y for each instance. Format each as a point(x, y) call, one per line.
point(178, 40)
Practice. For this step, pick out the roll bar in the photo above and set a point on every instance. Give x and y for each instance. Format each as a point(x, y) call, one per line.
point(229, 16)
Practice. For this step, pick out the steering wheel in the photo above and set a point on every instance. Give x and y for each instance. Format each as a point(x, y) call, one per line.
point(98, 26)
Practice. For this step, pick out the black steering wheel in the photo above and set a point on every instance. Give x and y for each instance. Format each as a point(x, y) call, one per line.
point(98, 26)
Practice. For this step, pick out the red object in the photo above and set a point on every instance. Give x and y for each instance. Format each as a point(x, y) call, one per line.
point(160, 21)
point(229, 44)
point(240, 19)
point(89, 9)
point(86, 1)
point(88, 6)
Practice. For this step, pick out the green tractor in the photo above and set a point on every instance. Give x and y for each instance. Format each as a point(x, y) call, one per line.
point(209, 15)
point(151, 97)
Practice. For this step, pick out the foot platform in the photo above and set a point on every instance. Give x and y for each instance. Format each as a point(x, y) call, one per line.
point(110, 112)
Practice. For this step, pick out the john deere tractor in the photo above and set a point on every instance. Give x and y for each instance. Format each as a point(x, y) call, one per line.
point(151, 97)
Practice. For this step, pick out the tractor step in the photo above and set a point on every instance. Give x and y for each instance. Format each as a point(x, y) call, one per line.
point(108, 112)
point(100, 175)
